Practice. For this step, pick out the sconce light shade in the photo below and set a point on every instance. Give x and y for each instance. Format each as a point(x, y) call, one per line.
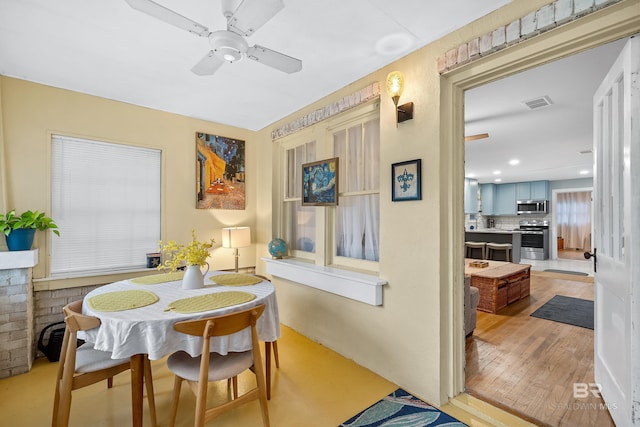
point(236, 237)
point(395, 87)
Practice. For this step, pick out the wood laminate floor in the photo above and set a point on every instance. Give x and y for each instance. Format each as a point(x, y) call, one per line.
point(577, 254)
point(529, 365)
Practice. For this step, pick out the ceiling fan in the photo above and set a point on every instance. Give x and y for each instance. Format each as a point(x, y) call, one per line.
point(228, 45)
point(477, 136)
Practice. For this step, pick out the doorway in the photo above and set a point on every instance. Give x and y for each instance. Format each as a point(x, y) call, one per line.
point(573, 223)
point(577, 239)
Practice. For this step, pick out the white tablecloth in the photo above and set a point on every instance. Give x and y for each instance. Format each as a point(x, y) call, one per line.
point(150, 330)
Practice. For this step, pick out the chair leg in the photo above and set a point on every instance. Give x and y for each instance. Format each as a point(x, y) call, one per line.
point(148, 381)
point(174, 404)
point(110, 382)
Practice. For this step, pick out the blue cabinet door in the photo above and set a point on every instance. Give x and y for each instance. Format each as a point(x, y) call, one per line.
point(523, 191)
point(487, 198)
point(505, 200)
point(540, 190)
point(470, 195)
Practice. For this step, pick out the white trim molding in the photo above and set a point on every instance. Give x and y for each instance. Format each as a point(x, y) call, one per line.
point(353, 100)
point(350, 284)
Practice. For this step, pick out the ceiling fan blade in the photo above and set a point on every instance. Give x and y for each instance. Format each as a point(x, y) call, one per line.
point(274, 59)
point(253, 14)
point(207, 65)
point(169, 16)
point(474, 137)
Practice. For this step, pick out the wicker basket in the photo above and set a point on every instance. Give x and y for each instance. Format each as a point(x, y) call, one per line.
point(501, 286)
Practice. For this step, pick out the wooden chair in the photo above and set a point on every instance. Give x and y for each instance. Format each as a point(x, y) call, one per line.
point(84, 365)
point(268, 347)
point(199, 371)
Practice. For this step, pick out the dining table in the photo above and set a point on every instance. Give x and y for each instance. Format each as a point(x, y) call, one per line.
point(137, 317)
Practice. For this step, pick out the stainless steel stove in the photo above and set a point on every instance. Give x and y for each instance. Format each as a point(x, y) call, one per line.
point(535, 239)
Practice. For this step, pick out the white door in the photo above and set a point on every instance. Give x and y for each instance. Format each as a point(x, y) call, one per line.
point(617, 236)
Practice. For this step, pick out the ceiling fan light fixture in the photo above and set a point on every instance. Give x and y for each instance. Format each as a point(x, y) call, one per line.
point(227, 45)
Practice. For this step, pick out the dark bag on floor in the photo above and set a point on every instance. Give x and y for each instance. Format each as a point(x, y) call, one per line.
point(54, 344)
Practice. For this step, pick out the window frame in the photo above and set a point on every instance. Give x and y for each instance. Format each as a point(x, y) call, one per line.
point(322, 133)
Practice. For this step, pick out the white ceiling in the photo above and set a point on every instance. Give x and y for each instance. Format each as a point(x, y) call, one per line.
point(108, 49)
point(546, 141)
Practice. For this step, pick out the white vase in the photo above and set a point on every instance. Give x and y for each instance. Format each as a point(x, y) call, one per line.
point(193, 277)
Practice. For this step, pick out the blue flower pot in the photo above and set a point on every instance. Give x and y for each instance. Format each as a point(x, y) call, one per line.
point(21, 239)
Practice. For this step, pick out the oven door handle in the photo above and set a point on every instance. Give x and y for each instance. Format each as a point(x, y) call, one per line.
point(531, 232)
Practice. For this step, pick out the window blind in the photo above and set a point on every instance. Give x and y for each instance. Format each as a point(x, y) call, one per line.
point(106, 201)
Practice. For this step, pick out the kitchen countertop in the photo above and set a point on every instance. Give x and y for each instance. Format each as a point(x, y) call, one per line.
point(493, 230)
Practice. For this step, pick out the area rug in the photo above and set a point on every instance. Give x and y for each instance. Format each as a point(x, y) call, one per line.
point(572, 311)
point(401, 409)
point(577, 273)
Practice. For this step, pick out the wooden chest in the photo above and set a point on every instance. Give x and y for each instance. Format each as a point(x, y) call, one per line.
point(502, 285)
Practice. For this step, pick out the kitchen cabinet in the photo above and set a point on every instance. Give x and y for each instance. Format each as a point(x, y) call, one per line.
point(487, 197)
point(534, 190)
point(470, 196)
point(505, 199)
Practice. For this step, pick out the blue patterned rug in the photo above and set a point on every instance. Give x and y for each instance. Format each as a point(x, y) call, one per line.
point(401, 409)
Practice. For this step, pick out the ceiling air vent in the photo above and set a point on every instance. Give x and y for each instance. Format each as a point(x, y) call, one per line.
point(539, 102)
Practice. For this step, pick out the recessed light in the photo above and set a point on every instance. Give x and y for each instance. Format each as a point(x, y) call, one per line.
point(584, 172)
point(498, 180)
point(514, 162)
point(471, 175)
point(497, 172)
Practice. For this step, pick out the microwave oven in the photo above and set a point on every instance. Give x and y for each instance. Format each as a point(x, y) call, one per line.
point(532, 207)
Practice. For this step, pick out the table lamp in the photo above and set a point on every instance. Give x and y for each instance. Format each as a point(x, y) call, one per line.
point(236, 237)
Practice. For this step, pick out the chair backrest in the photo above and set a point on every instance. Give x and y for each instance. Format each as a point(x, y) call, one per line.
point(221, 325)
point(76, 321)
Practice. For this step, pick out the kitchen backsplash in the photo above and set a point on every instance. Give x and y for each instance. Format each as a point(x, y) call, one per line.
point(501, 222)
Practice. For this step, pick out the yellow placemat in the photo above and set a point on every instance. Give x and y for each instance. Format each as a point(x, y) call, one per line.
point(154, 279)
point(235, 279)
point(209, 302)
point(122, 300)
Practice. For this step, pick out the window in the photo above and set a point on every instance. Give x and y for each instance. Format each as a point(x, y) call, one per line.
point(106, 201)
point(299, 221)
point(357, 217)
point(348, 234)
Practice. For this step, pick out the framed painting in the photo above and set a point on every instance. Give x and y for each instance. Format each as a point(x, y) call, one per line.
point(405, 180)
point(220, 172)
point(320, 183)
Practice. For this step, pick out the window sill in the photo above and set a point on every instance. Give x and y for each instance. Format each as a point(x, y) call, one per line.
point(357, 286)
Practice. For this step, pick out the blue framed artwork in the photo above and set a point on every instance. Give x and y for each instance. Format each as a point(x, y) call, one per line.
point(320, 183)
point(405, 181)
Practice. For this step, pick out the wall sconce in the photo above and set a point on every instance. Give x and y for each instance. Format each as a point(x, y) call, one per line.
point(395, 86)
point(236, 237)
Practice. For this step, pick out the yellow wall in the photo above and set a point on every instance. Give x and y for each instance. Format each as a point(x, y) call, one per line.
point(416, 338)
point(31, 112)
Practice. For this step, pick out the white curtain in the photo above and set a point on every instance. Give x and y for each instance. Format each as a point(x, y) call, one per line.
point(574, 219)
point(357, 220)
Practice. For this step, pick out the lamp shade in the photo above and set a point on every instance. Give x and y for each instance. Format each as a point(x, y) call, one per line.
point(236, 237)
point(395, 84)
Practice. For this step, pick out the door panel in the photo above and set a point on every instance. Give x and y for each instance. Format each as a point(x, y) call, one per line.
point(617, 236)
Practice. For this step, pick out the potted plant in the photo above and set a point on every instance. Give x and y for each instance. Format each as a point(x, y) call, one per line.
point(192, 256)
point(19, 230)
